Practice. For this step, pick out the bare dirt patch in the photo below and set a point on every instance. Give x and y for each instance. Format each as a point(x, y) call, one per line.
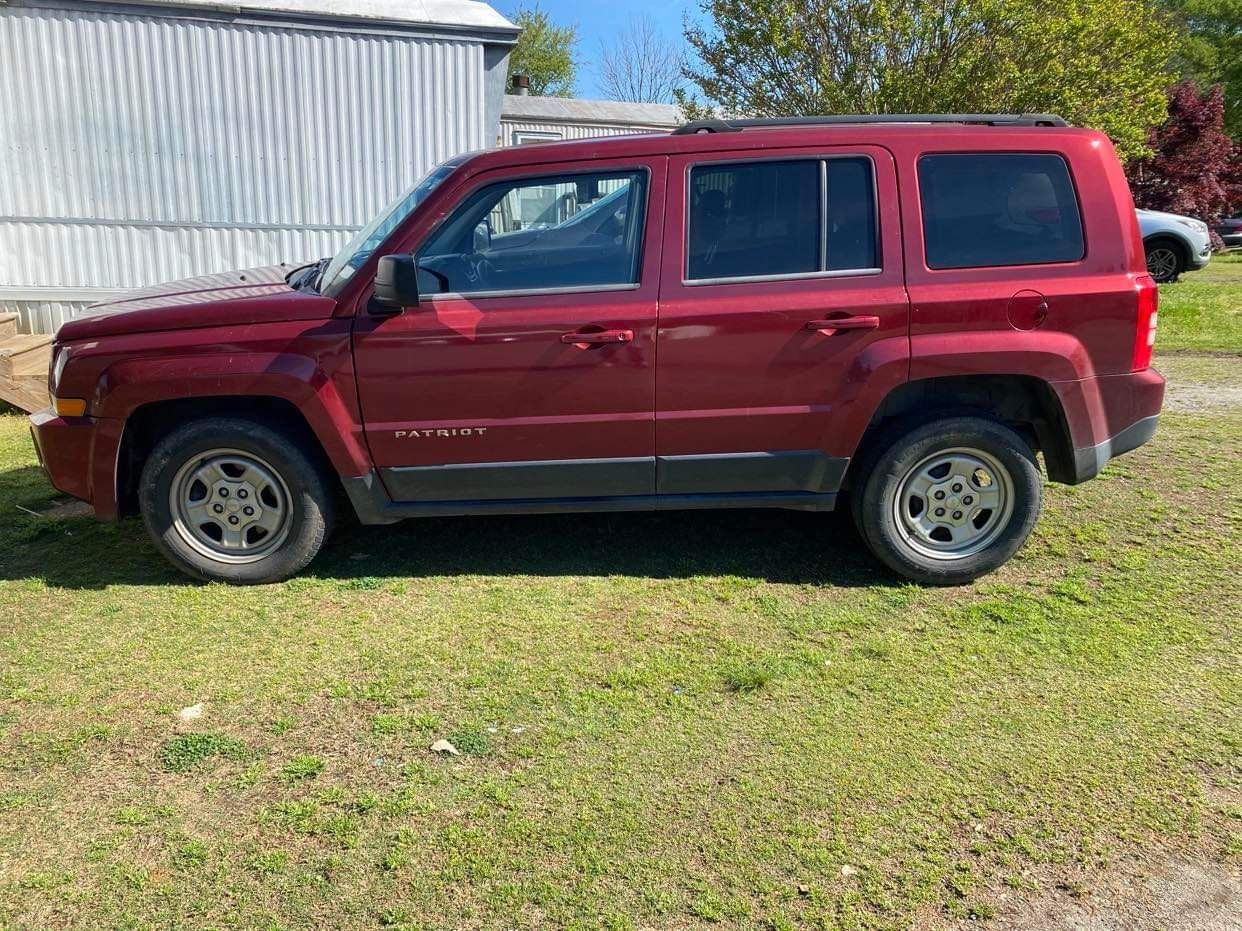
point(1178, 894)
point(1202, 384)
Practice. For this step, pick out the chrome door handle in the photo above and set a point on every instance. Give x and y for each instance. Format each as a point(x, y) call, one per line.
point(844, 323)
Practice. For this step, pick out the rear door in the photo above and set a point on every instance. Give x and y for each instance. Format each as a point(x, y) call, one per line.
point(783, 317)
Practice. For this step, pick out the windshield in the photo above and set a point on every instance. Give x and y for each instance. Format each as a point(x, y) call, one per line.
point(369, 238)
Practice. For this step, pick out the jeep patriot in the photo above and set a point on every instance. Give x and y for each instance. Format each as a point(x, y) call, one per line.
point(901, 312)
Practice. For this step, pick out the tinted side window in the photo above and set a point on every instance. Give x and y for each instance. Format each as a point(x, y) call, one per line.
point(778, 218)
point(537, 234)
point(851, 233)
point(760, 218)
point(1005, 209)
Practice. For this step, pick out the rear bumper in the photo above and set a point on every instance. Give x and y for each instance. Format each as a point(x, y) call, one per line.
point(1090, 462)
point(79, 456)
point(1109, 415)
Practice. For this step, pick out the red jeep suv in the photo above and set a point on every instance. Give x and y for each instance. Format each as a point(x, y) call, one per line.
point(752, 313)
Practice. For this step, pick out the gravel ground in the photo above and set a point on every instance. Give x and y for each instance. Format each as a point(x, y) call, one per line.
point(1202, 383)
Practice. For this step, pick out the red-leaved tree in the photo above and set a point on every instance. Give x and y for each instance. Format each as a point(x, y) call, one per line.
point(1195, 168)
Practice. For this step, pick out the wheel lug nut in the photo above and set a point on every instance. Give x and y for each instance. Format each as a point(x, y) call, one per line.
point(968, 500)
point(940, 512)
point(248, 511)
point(957, 486)
point(957, 515)
point(224, 492)
point(939, 496)
point(232, 518)
point(241, 493)
point(219, 508)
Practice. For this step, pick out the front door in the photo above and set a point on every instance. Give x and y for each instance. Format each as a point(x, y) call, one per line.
point(783, 318)
point(528, 370)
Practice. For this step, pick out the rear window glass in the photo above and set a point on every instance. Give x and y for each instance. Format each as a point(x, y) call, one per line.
point(851, 233)
point(1003, 209)
point(762, 219)
point(756, 219)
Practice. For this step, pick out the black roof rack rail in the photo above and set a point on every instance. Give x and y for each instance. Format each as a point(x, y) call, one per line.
point(976, 119)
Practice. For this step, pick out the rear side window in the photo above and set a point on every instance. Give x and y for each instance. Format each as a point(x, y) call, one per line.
point(756, 219)
point(767, 219)
point(851, 231)
point(998, 209)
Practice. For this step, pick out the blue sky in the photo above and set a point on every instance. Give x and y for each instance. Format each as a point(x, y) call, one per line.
point(598, 19)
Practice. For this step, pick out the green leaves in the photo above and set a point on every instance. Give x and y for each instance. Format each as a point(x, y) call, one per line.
point(1099, 63)
point(545, 53)
point(1210, 49)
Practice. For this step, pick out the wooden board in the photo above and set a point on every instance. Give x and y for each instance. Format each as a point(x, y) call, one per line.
point(27, 393)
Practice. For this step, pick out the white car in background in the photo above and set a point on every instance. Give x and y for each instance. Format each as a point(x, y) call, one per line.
point(1173, 244)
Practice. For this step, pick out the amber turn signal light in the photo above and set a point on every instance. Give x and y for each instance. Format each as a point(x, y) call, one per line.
point(69, 407)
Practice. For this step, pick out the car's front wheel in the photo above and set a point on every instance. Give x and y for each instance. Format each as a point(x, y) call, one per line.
point(235, 500)
point(1165, 260)
point(950, 500)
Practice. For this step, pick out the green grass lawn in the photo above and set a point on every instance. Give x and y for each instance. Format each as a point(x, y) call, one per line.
point(1203, 311)
point(665, 721)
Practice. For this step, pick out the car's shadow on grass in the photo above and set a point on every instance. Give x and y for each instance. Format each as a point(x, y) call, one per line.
point(776, 546)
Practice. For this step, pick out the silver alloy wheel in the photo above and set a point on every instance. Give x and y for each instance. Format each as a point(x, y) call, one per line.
point(954, 503)
point(230, 505)
point(1162, 263)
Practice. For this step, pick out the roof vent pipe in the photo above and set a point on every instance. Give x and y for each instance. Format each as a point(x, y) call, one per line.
point(521, 85)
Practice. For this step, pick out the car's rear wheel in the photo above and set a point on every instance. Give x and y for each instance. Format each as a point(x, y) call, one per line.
point(947, 501)
point(234, 500)
point(1165, 260)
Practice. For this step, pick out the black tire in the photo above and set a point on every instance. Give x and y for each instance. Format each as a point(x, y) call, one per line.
point(306, 508)
point(1166, 259)
point(900, 452)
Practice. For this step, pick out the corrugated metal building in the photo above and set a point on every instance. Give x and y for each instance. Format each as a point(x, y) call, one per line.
point(143, 142)
point(525, 119)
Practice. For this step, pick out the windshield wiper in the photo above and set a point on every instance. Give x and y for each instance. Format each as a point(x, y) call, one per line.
point(306, 275)
point(319, 270)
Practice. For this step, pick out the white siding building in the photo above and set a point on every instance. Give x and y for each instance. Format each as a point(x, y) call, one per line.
point(526, 119)
point(143, 142)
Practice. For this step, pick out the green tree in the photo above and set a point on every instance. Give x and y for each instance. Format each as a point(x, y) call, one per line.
point(1098, 63)
point(545, 53)
point(1210, 49)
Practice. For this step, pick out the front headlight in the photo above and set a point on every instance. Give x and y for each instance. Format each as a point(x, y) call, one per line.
point(59, 361)
point(1197, 225)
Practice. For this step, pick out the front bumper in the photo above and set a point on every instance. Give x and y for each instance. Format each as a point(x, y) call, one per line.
point(1201, 258)
point(79, 456)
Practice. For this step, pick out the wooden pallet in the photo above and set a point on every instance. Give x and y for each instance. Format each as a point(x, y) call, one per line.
point(24, 361)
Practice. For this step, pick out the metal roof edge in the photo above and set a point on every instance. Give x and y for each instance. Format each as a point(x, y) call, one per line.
point(594, 112)
point(251, 14)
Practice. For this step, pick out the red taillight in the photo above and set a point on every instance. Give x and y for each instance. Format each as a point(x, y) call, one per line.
point(1145, 330)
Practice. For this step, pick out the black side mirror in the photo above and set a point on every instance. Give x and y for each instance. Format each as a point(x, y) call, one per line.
point(396, 282)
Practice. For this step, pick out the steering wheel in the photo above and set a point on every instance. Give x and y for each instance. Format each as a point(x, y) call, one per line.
point(477, 268)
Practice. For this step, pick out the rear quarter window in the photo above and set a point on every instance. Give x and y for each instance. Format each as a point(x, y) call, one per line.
point(982, 210)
